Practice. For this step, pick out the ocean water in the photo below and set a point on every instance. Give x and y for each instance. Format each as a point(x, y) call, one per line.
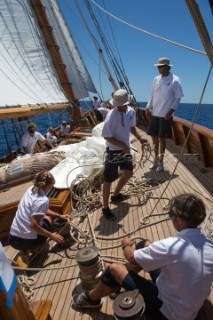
point(187, 111)
point(11, 131)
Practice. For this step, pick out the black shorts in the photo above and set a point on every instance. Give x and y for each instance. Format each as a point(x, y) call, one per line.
point(27, 244)
point(99, 116)
point(159, 127)
point(113, 160)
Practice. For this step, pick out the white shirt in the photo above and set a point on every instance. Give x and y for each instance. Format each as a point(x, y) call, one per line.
point(96, 104)
point(29, 141)
point(186, 263)
point(51, 137)
point(104, 111)
point(118, 125)
point(65, 130)
point(164, 92)
point(31, 204)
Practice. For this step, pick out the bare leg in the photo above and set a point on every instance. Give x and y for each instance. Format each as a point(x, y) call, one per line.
point(156, 146)
point(101, 290)
point(106, 192)
point(119, 272)
point(162, 148)
point(122, 181)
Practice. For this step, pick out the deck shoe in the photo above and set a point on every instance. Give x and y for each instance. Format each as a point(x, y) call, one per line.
point(154, 165)
point(82, 301)
point(22, 261)
point(108, 214)
point(120, 197)
point(160, 167)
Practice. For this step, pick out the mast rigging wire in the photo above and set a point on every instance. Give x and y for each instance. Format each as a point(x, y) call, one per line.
point(147, 32)
point(118, 71)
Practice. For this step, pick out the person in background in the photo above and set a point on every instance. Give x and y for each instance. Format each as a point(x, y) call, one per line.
point(102, 112)
point(121, 84)
point(120, 121)
point(96, 103)
point(185, 264)
point(30, 138)
point(65, 130)
point(31, 225)
point(51, 137)
point(166, 94)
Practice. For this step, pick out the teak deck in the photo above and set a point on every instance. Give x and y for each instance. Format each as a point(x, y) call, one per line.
point(58, 284)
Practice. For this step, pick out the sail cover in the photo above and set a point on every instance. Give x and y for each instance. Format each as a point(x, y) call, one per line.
point(27, 75)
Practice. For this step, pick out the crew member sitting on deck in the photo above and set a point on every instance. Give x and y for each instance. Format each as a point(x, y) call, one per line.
point(185, 267)
point(32, 223)
point(30, 138)
point(51, 137)
point(65, 130)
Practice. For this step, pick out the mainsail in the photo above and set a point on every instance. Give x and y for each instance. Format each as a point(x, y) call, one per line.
point(27, 74)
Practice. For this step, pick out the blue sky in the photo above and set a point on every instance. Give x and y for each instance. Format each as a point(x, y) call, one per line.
point(139, 52)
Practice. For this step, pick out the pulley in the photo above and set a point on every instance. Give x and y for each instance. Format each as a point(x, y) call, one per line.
point(129, 305)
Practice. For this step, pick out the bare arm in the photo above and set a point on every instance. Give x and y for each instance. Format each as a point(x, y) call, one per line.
point(25, 149)
point(35, 225)
point(137, 135)
point(129, 251)
point(54, 215)
point(118, 143)
point(49, 143)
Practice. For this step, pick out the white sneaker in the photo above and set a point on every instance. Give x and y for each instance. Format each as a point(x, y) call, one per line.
point(160, 167)
point(154, 164)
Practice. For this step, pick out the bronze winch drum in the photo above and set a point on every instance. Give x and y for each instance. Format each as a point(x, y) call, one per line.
point(90, 266)
point(129, 305)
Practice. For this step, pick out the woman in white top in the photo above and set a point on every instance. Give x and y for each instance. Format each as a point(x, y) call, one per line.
point(32, 223)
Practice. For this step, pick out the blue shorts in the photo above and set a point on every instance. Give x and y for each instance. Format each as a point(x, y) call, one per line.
point(27, 244)
point(159, 127)
point(113, 160)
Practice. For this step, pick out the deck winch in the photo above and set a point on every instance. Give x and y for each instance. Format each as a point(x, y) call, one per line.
point(90, 265)
point(129, 305)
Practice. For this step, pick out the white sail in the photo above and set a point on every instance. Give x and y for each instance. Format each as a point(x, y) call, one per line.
point(27, 75)
point(75, 67)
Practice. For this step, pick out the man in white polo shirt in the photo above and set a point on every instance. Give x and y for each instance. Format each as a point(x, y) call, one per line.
point(30, 138)
point(166, 94)
point(120, 121)
point(185, 267)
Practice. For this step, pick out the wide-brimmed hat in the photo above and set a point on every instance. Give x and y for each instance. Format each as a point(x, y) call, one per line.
point(30, 125)
point(120, 98)
point(163, 62)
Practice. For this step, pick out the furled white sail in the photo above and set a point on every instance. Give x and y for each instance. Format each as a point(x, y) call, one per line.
point(27, 75)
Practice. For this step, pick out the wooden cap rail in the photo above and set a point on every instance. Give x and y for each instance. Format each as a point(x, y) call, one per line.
point(21, 309)
point(200, 140)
